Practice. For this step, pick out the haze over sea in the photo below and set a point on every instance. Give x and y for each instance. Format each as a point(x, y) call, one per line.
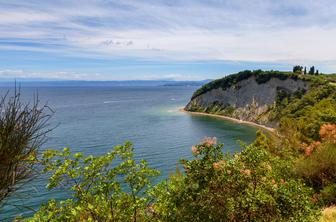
point(94, 119)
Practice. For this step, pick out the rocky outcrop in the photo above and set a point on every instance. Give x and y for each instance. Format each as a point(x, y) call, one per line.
point(246, 99)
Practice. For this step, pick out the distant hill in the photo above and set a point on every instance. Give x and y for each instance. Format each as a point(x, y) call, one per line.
point(103, 83)
point(188, 83)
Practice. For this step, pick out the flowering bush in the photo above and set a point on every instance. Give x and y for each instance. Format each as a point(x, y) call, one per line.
point(318, 166)
point(328, 132)
point(247, 186)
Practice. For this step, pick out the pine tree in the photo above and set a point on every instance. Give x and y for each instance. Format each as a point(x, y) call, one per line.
point(297, 69)
point(312, 70)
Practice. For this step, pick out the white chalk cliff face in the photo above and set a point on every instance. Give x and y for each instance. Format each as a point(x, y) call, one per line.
point(247, 99)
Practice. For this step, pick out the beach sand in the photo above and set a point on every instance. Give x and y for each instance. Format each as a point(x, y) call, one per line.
point(263, 127)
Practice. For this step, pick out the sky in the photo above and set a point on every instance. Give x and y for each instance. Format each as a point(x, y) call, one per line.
point(156, 39)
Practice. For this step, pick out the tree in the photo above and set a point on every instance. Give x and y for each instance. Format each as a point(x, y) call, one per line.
point(297, 69)
point(23, 129)
point(317, 72)
point(312, 70)
point(305, 70)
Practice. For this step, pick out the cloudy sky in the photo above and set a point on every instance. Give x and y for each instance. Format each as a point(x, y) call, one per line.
point(182, 40)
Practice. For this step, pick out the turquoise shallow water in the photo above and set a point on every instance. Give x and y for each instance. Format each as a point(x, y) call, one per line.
point(94, 119)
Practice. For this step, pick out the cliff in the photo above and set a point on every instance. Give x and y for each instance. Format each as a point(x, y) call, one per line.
point(249, 95)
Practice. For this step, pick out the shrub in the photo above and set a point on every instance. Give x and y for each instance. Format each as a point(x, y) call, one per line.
point(23, 128)
point(308, 114)
point(319, 168)
point(328, 194)
point(111, 187)
point(245, 187)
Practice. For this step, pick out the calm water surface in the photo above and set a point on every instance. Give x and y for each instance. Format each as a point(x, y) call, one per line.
point(94, 119)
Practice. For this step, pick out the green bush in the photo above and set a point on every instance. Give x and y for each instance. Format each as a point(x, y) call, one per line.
point(306, 115)
point(250, 186)
point(328, 194)
point(319, 169)
point(111, 187)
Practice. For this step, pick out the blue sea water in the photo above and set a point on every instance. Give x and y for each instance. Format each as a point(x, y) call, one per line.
point(94, 119)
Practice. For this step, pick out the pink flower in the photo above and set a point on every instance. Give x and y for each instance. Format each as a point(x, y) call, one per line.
point(246, 172)
point(208, 141)
point(313, 146)
point(309, 151)
point(194, 150)
point(216, 165)
point(328, 132)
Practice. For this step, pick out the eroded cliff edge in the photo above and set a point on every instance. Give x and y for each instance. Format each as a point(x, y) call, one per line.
point(249, 95)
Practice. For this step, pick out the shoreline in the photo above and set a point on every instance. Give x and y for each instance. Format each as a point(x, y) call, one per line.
point(269, 129)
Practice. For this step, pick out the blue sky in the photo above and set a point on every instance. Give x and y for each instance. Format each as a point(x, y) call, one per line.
point(180, 40)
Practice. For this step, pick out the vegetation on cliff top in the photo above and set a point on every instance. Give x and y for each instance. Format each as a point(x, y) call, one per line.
point(260, 76)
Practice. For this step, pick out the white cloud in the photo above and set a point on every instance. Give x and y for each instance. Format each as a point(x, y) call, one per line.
point(189, 30)
point(9, 74)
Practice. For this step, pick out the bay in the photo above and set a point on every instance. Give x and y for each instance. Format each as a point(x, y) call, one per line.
point(94, 119)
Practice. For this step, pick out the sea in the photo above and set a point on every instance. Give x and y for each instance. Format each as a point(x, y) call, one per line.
point(94, 119)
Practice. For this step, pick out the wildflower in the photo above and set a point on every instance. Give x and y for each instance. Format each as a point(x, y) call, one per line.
point(194, 150)
point(273, 181)
point(309, 150)
point(150, 209)
point(246, 172)
point(208, 141)
point(229, 172)
point(216, 165)
point(328, 132)
point(282, 181)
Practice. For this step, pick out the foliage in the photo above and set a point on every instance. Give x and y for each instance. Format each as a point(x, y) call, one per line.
point(305, 115)
point(23, 128)
point(250, 186)
point(311, 70)
point(298, 69)
point(318, 167)
point(328, 214)
point(111, 187)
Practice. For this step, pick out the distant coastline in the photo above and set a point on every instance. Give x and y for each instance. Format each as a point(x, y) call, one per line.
point(269, 129)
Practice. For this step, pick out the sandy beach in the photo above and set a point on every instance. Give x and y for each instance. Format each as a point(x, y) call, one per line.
point(263, 127)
